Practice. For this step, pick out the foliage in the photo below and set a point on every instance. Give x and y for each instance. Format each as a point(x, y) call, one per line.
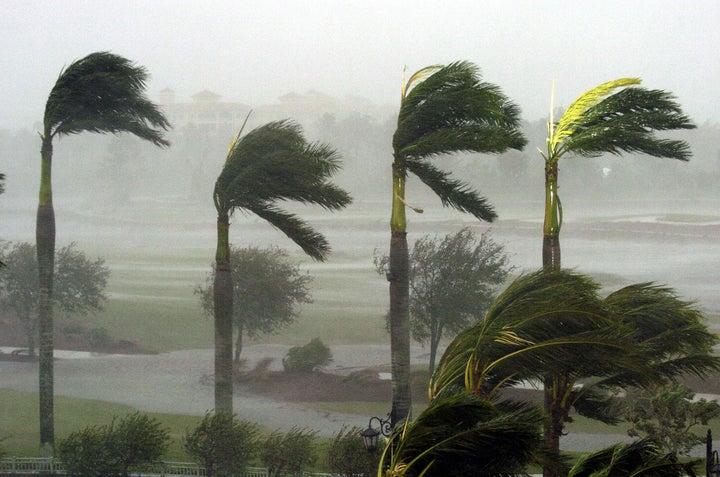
point(465, 435)
point(79, 283)
point(267, 291)
point(452, 283)
point(289, 453)
point(666, 416)
point(308, 357)
point(638, 459)
point(115, 449)
point(221, 443)
point(347, 456)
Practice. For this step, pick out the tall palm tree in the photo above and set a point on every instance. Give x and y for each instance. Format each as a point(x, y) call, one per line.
point(465, 435)
point(273, 163)
point(614, 117)
point(552, 327)
point(443, 109)
point(101, 93)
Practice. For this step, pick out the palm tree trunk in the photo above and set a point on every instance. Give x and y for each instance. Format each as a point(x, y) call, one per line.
point(553, 220)
point(45, 245)
point(223, 306)
point(555, 421)
point(399, 300)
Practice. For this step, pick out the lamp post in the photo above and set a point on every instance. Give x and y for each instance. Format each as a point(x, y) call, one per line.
point(371, 434)
point(712, 461)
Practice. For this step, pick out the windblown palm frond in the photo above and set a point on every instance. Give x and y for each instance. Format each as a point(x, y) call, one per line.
point(103, 92)
point(274, 163)
point(463, 435)
point(638, 459)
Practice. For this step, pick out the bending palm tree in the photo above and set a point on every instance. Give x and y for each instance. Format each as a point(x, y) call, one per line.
point(99, 93)
point(614, 117)
point(443, 109)
point(271, 164)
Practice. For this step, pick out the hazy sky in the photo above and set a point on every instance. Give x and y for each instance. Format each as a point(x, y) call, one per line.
point(256, 51)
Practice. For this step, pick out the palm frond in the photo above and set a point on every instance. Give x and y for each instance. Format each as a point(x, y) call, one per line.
point(313, 243)
point(103, 92)
point(453, 193)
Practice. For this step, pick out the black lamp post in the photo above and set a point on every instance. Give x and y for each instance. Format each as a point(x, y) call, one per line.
point(712, 462)
point(371, 435)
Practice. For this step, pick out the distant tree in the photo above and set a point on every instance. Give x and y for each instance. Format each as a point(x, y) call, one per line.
point(115, 449)
point(102, 93)
point(223, 444)
point(290, 453)
point(308, 357)
point(452, 283)
point(666, 416)
point(615, 117)
point(271, 165)
point(443, 110)
point(79, 284)
point(267, 291)
point(347, 456)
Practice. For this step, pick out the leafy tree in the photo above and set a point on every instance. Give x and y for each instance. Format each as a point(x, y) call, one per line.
point(79, 284)
point(116, 449)
point(452, 283)
point(267, 291)
point(308, 357)
point(271, 164)
point(223, 444)
point(288, 454)
point(465, 435)
point(347, 456)
point(638, 459)
point(443, 109)
point(614, 117)
point(554, 328)
point(102, 93)
point(666, 416)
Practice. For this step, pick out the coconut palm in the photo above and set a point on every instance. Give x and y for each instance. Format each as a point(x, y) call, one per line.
point(273, 163)
point(464, 435)
point(554, 328)
point(614, 117)
point(443, 109)
point(101, 93)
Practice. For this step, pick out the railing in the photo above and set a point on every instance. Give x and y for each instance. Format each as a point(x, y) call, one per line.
point(48, 465)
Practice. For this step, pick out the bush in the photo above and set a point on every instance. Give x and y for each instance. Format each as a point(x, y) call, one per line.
point(288, 453)
point(113, 450)
point(347, 456)
point(222, 444)
point(307, 358)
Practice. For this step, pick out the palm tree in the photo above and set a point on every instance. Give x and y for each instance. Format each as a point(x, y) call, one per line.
point(101, 93)
point(271, 164)
point(614, 117)
point(443, 109)
point(464, 435)
point(539, 327)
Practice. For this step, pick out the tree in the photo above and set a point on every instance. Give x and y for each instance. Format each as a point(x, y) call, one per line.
point(666, 416)
point(115, 449)
point(452, 283)
point(347, 456)
point(223, 444)
point(102, 93)
point(267, 291)
point(272, 163)
point(288, 454)
point(554, 328)
point(614, 117)
point(464, 435)
point(308, 357)
point(79, 284)
point(443, 109)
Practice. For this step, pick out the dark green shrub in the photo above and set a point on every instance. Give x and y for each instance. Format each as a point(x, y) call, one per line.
point(222, 444)
point(98, 338)
point(289, 453)
point(347, 456)
point(307, 358)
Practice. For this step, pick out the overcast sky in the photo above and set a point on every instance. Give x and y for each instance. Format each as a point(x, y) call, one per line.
point(256, 51)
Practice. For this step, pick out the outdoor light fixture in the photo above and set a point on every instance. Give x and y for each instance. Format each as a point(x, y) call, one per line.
point(712, 462)
point(370, 435)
